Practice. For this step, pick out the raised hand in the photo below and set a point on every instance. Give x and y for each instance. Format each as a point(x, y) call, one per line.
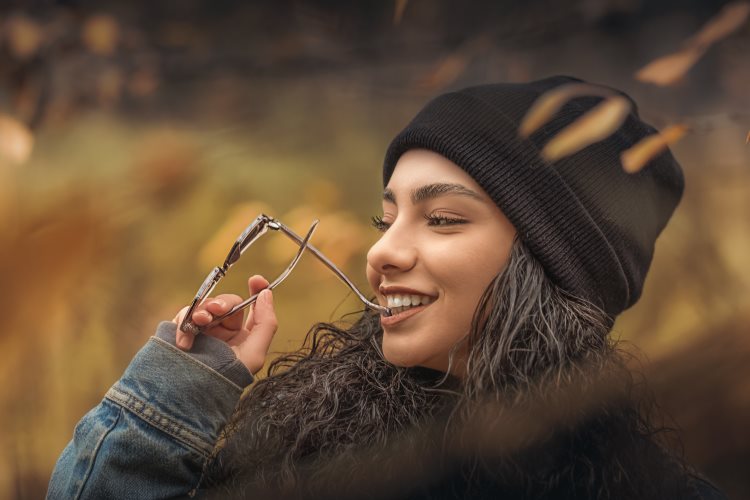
point(249, 338)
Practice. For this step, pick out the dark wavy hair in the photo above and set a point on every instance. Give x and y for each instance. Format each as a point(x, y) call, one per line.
point(546, 408)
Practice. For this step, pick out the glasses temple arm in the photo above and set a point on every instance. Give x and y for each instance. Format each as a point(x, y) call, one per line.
point(330, 265)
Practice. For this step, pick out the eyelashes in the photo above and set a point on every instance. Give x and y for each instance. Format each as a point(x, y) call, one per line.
point(432, 220)
point(378, 223)
point(442, 220)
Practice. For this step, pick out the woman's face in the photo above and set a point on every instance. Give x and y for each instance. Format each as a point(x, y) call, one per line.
point(443, 242)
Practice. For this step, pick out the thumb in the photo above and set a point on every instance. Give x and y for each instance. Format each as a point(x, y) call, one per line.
point(254, 349)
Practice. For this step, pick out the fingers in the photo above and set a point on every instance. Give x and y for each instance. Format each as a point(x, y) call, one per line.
point(218, 306)
point(215, 307)
point(255, 284)
point(253, 350)
point(183, 340)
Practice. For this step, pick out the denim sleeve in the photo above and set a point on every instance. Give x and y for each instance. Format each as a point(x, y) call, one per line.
point(154, 431)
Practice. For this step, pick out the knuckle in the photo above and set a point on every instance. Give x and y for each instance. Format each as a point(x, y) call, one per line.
point(271, 322)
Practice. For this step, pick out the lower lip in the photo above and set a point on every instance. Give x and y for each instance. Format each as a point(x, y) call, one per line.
point(402, 316)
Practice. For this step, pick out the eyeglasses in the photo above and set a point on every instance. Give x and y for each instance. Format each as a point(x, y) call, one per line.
point(250, 235)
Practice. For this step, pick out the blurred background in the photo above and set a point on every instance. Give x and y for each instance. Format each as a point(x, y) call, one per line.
point(137, 139)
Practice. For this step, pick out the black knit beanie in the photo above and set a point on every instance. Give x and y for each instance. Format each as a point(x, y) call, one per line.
point(590, 224)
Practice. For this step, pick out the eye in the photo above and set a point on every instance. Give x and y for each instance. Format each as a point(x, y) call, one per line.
point(443, 221)
point(379, 224)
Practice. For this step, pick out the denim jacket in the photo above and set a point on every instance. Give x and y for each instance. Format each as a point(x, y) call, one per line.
point(156, 428)
point(154, 432)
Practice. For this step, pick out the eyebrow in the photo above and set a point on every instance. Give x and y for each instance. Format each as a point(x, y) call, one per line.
point(430, 191)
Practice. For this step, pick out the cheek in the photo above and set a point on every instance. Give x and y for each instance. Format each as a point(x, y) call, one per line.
point(464, 273)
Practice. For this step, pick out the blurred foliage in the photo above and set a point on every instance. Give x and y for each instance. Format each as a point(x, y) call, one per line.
point(137, 141)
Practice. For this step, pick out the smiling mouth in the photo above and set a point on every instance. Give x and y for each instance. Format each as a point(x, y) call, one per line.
point(403, 311)
point(398, 302)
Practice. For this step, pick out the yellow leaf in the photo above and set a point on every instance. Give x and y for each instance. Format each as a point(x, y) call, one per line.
point(670, 69)
point(747, 139)
point(16, 140)
point(729, 19)
point(398, 13)
point(636, 157)
point(24, 37)
point(454, 64)
point(100, 34)
point(445, 72)
point(549, 103)
point(595, 125)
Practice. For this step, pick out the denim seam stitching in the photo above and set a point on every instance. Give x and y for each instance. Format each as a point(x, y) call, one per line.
point(208, 369)
point(87, 475)
point(180, 432)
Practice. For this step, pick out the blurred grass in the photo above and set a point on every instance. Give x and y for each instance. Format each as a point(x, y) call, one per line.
point(112, 226)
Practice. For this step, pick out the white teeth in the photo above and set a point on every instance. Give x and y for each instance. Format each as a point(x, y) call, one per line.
point(405, 300)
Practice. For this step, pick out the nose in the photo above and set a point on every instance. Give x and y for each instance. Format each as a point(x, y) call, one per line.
point(393, 252)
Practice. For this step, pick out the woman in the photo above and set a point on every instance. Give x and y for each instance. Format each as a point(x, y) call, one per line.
point(493, 377)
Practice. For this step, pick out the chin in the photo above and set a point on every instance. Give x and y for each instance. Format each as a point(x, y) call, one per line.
point(399, 359)
point(402, 357)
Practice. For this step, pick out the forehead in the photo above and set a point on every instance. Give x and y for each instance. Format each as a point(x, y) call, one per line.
point(418, 167)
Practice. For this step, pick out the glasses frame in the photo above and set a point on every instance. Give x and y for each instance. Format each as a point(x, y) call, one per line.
point(250, 235)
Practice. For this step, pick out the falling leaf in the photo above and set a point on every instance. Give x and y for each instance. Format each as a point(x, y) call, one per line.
point(446, 72)
point(24, 37)
point(398, 14)
point(636, 157)
point(729, 19)
point(595, 125)
point(549, 103)
point(100, 34)
point(747, 139)
point(670, 69)
point(16, 140)
point(454, 64)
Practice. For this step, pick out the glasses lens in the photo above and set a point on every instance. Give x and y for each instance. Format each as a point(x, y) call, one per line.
point(247, 238)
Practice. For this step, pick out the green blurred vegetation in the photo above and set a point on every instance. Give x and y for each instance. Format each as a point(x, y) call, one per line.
point(155, 134)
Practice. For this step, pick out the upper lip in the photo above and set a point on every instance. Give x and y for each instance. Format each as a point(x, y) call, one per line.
point(393, 289)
